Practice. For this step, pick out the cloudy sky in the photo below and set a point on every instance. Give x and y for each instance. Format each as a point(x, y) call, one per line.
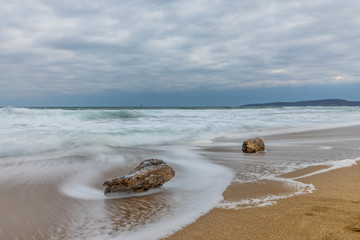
point(163, 52)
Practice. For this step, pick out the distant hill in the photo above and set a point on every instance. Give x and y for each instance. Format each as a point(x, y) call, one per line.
point(324, 102)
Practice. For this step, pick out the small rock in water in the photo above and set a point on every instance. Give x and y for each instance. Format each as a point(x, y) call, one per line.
point(253, 145)
point(150, 174)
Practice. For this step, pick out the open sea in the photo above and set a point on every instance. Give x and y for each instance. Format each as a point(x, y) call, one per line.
point(53, 162)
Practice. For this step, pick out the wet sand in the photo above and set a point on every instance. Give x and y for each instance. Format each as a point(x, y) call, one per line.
point(34, 206)
point(45, 197)
point(332, 211)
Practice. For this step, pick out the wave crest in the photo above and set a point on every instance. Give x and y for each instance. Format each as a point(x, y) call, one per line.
point(115, 114)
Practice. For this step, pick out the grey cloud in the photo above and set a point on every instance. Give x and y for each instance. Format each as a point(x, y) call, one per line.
point(81, 46)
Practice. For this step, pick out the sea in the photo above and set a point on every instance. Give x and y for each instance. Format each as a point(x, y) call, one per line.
point(53, 162)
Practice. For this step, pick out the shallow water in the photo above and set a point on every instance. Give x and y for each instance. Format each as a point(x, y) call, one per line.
point(53, 163)
point(62, 198)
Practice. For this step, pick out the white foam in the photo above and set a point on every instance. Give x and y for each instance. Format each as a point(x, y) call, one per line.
point(333, 165)
point(26, 131)
point(301, 188)
point(84, 192)
point(196, 188)
point(325, 147)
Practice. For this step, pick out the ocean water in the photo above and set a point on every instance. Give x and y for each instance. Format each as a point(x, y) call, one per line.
point(61, 157)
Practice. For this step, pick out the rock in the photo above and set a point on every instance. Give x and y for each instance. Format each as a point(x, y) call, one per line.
point(149, 174)
point(253, 145)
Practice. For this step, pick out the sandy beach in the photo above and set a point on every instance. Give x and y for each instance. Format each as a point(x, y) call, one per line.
point(332, 211)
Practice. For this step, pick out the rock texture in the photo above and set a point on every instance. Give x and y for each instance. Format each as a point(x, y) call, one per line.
point(253, 145)
point(149, 174)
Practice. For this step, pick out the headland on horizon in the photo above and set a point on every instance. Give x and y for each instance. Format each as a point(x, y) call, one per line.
point(310, 103)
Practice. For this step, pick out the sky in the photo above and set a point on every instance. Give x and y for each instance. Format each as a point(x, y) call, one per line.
point(177, 53)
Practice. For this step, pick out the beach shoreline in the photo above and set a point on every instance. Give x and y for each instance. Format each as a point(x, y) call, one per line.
point(48, 195)
point(330, 211)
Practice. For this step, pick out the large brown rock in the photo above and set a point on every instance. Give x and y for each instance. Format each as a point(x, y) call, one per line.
point(149, 174)
point(253, 145)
